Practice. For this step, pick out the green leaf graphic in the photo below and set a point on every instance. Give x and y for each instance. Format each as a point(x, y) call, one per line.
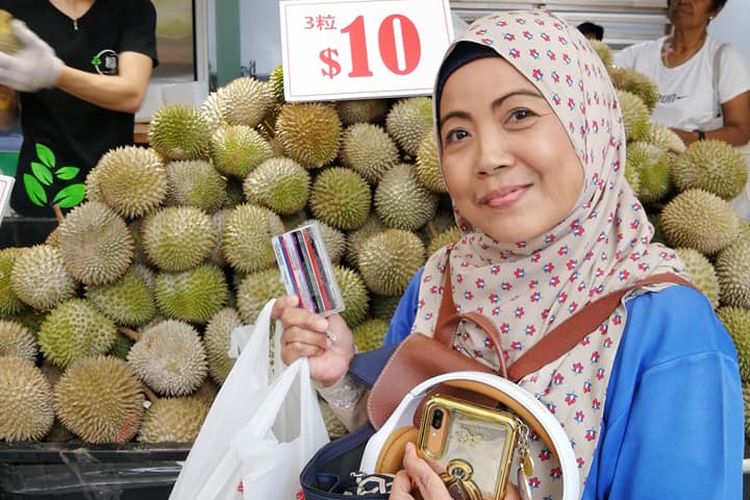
point(67, 173)
point(46, 155)
point(70, 196)
point(42, 173)
point(34, 190)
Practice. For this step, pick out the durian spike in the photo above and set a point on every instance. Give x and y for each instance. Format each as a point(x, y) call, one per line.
point(58, 214)
point(130, 333)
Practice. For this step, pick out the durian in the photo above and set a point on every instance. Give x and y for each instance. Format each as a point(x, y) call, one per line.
point(96, 244)
point(355, 239)
point(408, 121)
point(370, 334)
point(194, 295)
point(340, 197)
point(699, 220)
point(255, 290)
point(733, 269)
point(737, 322)
point(309, 133)
point(25, 401)
point(217, 339)
point(131, 180)
point(362, 111)
point(652, 167)
point(100, 400)
point(39, 277)
point(635, 115)
point(383, 306)
point(354, 293)
point(210, 112)
point(636, 83)
point(169, 358)
point(702, 273)
point(178, 238)
point(245, 101)
point(17, 340)
point(280, 184)
point(196, 183)
point(237, 149)
point(128, 301)
point(401, 201)
point(714, 166)
point(173, 420)
point(206, 392)
point(388, 260)
point(9, 303)
point(663, 137)
point(276, 80)
point(179, 132)
point(428, 165)
point(447, 237)
point(246, 240)
point(8, 41)
point(603, 51)
point(369, 151)
point(73, 330)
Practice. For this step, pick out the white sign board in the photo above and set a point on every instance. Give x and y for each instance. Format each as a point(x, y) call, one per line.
point(6, 186)
point(356, 49)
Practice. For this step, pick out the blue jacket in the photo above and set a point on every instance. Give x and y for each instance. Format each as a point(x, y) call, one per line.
point(673, 416)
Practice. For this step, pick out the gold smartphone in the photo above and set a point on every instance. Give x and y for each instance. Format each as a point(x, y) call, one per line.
point(471, 444)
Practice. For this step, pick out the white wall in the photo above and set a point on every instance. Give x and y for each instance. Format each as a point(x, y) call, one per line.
point(732, 26)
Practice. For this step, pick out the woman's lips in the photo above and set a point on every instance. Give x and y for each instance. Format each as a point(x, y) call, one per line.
point(504, 196)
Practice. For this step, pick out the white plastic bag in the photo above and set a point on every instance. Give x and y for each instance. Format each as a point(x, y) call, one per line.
point(259, 433)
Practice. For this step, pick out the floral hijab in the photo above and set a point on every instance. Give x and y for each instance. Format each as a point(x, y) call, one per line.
point(529, 287)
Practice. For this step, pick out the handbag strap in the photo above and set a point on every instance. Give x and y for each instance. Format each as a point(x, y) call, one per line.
point(556, 342)
point(448, 320)
point(570, 332)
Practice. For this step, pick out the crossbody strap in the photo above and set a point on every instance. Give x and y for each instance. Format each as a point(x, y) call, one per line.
point(555, 343)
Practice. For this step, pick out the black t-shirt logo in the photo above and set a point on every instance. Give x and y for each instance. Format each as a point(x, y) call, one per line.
point(105, 62)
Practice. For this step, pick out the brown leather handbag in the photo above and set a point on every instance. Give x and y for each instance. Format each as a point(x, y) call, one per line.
point(420, 357)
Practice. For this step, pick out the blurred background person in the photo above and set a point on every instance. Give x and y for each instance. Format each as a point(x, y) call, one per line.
point(704, 85)
point(591, 31)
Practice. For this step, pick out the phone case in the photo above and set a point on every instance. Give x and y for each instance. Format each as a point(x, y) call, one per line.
point(472, 444)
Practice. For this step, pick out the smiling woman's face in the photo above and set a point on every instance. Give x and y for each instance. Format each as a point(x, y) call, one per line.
point(510, 167)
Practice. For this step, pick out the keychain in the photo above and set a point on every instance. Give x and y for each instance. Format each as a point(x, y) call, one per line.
point(525, 463)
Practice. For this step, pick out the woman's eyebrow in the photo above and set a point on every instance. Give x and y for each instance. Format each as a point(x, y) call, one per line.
point(520, 92)
point(495, 104)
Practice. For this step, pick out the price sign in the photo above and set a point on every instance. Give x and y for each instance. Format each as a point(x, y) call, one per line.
point(6, 186)
point(356, 49)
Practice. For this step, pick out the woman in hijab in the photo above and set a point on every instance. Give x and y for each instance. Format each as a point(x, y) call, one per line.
point(532, 149)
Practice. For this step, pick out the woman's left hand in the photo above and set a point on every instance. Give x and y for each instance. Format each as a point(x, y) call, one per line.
point(417, 476)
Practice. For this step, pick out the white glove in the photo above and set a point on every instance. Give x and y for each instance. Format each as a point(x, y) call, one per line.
point(34, 66)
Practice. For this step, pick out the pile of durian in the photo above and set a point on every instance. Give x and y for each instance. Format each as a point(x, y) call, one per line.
point(133, 297)
point(686, 192)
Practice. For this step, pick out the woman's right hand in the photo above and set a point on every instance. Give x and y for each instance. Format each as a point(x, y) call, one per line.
point(306, 333)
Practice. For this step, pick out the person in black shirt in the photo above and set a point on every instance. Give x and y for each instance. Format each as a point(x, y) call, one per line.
point(81, 74)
